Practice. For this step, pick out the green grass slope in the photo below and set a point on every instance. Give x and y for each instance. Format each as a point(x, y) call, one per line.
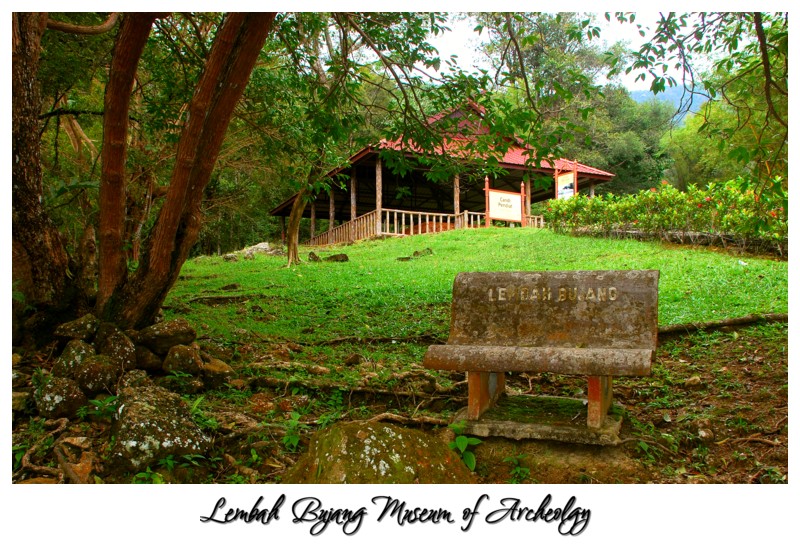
point(374, 295)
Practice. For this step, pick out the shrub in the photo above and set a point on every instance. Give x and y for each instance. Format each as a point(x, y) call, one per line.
point(723, 214)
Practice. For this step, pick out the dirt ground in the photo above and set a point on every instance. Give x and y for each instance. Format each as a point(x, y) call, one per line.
point(714, 410)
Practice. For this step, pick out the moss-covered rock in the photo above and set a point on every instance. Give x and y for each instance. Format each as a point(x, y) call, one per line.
point(377, 453)
point(164, 335)
point(72, 355)
point(183, 359)
point(59, 397)
point(152, 424)
point(216, 372)
point(147, 360)
point(83, 328)
point(112, 342)
point(97, 374)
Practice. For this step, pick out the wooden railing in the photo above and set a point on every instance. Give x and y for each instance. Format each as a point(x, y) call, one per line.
point(362, 227)
point(534, 221)
point(470, 220)
point(404, 222)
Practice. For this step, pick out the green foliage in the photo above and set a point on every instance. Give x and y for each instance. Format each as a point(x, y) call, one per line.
point(730, 211)
point(104, 408)
point(462, 443)
point(18, 453)
point(294, 428)
point(199, 416)
point(745, 89)
point(519, 473)
point(148, 476)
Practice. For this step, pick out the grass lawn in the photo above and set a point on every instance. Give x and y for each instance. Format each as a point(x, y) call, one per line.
point(325, 342)
point(374, 295)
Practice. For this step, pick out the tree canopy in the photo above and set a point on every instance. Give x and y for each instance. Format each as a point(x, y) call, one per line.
point(142, 138)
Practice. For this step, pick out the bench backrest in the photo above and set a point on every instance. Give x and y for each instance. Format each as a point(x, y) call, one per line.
point(561, 309)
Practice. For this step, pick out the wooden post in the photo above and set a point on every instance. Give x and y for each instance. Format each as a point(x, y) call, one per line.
point(591, 189)
point(484, 389)
point(331, 210)
point(486, 191)
point(456, 195)
point(457, 199)
point(283, 229)
point(353, 196)
point(378, 195)
point(600, 396)
point(522, 204)
point(528, 197)
point(313, 227)
point(575, 176)
point(353, 205)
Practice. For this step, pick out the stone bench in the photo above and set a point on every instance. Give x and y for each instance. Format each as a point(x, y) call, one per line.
point(599, 324)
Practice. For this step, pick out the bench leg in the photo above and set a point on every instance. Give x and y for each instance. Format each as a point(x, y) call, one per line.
point(484, 390)
point(600, 397)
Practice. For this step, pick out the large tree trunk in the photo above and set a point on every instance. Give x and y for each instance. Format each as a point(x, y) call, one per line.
point(128, 48)
point(232, 59)
point(40, 262)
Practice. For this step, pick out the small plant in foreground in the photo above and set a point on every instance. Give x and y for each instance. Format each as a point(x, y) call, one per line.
point(462, 443)
point(199, 416)
point(148, 476)
point(291, 439)
point(519, 473)
point(104, 409)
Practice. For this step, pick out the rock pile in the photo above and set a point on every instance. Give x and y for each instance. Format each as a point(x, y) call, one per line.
point(100, 361)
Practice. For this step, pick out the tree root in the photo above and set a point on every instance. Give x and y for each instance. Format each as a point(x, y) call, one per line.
point(26, 464)
point(651, 443)
point(409, 420)
point(750, 319)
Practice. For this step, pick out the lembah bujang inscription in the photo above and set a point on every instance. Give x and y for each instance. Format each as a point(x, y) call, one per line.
point(522, 294)
point(611, 309)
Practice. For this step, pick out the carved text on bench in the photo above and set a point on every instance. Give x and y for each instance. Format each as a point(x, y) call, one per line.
point(516, 294)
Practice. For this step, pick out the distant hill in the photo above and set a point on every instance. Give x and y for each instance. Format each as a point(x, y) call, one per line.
point(671, 95)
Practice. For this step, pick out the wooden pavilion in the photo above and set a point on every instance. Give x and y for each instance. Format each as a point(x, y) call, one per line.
point(377, 202)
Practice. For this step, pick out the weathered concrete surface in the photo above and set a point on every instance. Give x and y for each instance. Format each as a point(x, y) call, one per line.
point(567, 361)
point(594, 323)
point(568, 309)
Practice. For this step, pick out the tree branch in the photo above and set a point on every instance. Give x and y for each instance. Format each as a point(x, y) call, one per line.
point(84, 30)
point(762, 45)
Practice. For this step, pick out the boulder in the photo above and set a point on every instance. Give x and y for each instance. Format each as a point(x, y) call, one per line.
point(59, 397)
point(339, 258)
point(74, 353)
point(83, 328)
point(377, 453)
point(164, 335)
point(147, 360)
point(153, 424)
point(135, 379)
point(98, 373)
point(20, 401)
point(216, 373)
point(112, 342)
point(423, 253)
point(183, 359)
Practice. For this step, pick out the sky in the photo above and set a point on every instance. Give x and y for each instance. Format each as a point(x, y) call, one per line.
point(464, 42)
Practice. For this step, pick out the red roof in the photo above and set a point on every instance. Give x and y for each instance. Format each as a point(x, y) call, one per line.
point(515, 156)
